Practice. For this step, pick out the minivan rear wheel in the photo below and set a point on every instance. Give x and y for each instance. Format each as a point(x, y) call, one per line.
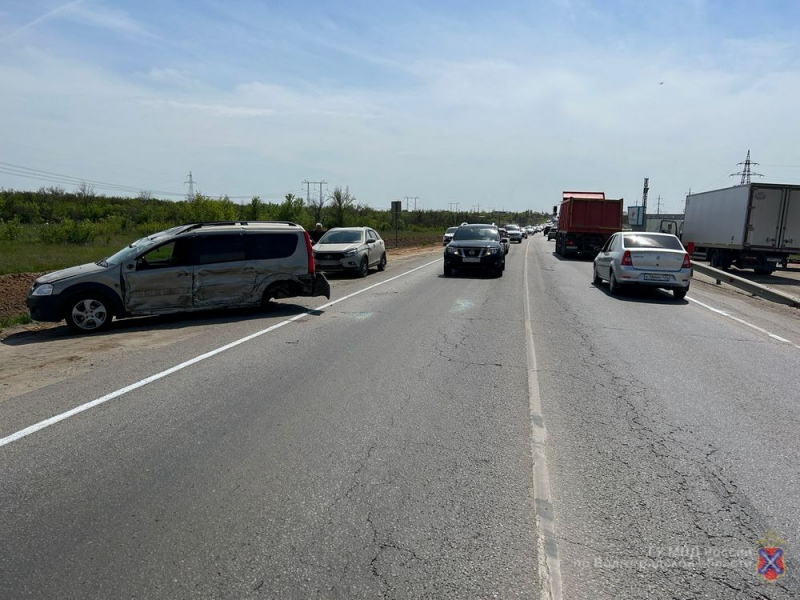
point(88, 313)
point(382, 264)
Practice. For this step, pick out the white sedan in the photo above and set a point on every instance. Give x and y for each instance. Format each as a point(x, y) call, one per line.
point(644, 259)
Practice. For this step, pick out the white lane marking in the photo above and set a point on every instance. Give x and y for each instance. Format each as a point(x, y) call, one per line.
point(549, 563)
point(129, 388)
point(743, 322)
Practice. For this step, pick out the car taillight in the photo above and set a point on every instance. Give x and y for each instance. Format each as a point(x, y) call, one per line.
point(687, 263)
point(310, 251)
point(627, 261)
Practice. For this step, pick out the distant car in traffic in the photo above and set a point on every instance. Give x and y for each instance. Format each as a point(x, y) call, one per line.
point(514, 233)
point(551, 233)
point(448, 235)
point(475, 246)
point(505, 242)
point(644, 259)
point(350, 249)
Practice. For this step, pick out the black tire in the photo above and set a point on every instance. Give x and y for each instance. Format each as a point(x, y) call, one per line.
point(680, 293)
point(766, 271)
point(713, 258)
point(596, 279)
point(499, 272)
point(363, 268)
point(448, 270)
point(613, 285)
point(382, 264)
point(88, 313)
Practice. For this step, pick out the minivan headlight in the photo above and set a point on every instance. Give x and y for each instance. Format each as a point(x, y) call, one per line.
point(351, 252)
point(46, 289)
point(451, 250)
point(492, 250)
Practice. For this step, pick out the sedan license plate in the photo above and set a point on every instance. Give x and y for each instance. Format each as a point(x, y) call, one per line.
point(649, 277)
point(472, 259)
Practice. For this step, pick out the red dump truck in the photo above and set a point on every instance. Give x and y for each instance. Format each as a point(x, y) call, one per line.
point(585, 221)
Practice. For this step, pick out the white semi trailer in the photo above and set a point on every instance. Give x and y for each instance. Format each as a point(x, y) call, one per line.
point(755, 225)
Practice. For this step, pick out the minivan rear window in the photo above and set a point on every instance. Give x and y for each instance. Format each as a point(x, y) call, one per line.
point(261, 246)
point(643, 240)
point(220, 248)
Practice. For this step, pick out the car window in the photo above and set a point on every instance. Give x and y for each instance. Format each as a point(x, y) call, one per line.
point(176, 253)
point(342, 237)
point(265, 246)
point(644, 240)
point(220, 248)
point(477, 233)
point(608, 243)
point(371, 235)
point(451, 229)
point(376, 234)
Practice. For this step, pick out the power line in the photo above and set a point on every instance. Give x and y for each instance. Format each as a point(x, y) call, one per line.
point(16, 170)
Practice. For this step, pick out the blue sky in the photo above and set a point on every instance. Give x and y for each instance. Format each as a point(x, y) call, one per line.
point(501, 104)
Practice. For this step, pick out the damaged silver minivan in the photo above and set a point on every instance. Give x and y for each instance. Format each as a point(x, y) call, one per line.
point(197, 266)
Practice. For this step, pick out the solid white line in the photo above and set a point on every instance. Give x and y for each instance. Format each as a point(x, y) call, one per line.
point(549, 563)
point(129, 388)
point(743, 322)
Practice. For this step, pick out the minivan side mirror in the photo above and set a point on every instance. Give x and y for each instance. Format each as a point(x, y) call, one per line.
point(130, 266)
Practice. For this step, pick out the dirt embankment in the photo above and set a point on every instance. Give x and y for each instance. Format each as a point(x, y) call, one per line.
point(13, 289)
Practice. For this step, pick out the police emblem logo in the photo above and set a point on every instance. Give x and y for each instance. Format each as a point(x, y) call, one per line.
point(771, 557)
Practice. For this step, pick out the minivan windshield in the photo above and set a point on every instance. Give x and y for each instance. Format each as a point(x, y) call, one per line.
point(488, 234)
point(128, 252)
point(342, 237)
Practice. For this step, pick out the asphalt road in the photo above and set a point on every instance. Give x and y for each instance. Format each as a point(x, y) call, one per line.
point(381, 447)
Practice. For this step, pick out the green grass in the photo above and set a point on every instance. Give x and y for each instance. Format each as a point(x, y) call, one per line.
point(20, 319)
point(24, 256)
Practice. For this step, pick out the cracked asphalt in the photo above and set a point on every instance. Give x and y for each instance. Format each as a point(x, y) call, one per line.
point(380, 448)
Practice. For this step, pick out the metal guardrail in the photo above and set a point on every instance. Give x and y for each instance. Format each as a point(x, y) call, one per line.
point(754, 288)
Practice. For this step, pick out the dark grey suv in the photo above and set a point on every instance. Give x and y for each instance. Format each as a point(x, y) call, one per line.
point(191, 267)
point(475, 247)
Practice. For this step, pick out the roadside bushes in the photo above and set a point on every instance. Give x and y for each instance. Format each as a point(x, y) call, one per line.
point(69, 232)
point(10, 230)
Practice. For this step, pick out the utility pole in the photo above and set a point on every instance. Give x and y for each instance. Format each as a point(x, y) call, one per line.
point(746, 173)
point(191, 182)
point(658, 206)
point(320, 190)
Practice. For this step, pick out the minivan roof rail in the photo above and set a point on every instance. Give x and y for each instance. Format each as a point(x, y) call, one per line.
point(191, 226)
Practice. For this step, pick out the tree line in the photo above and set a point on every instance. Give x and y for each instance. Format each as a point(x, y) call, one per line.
point(78, 217)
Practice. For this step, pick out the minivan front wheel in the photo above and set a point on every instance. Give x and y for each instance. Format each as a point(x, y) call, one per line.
point(88, 313)
point(382, 264)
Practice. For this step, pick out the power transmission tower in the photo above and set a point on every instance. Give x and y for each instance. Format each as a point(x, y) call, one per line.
point(320, 190)
point(658, 206)
point(191, 183)
point(746, 173)
point(414, 198)
point(308, 185)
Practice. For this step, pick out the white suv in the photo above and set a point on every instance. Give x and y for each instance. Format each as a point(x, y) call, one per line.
point(350, 249)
